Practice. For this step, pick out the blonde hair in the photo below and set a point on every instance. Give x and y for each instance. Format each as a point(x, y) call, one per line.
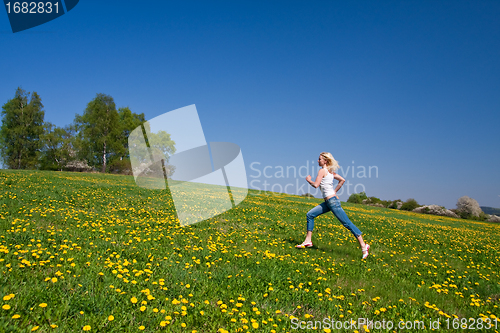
point(331, 164)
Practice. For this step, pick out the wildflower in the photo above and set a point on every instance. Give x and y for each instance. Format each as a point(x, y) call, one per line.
point(133, 300)
point(42, 305)
point(15, 316)
point(86, 328)
point(6, 307)
point(111, 318)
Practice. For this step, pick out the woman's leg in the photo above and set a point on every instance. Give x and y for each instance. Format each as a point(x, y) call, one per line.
point(311, 215)
point(338, 211)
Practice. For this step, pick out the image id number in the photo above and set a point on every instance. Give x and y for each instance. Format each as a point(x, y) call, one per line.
point(32, 7)
point(471, 323)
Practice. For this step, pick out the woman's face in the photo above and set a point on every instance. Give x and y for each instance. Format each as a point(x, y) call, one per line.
point(321, 161)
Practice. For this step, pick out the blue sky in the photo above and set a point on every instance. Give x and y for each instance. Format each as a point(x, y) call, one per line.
point(409, 88)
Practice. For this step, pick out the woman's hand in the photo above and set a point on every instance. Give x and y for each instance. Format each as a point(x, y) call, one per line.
point(341, 182)
point(308, 178)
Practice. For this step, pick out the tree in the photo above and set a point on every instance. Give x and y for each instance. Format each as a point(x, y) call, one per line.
point(99, 132)
point(161, 147)
point(161, 142)
point(22, 126)
point(128, 122)
point(468, 207)
point(57, 147)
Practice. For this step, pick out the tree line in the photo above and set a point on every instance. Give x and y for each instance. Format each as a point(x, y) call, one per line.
point(97, 139)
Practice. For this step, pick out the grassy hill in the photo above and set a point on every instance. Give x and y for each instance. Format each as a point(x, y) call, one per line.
point(491, 210)
point(95, 252)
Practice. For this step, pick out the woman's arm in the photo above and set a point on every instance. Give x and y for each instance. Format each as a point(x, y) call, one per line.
point(315, 184)
point(341, 181)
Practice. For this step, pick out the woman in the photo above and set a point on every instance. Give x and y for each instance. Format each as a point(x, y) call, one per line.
point(324, 180)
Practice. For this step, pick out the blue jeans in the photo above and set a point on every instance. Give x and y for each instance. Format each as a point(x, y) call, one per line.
point(333, 205)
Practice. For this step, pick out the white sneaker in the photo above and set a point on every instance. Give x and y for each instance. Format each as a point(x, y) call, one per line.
point(365, 251)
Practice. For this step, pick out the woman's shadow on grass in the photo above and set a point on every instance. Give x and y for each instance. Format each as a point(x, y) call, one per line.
point(337, 251)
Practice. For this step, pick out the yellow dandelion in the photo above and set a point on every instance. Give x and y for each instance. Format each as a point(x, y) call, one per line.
point(111, 318)
point(163, 323)
point(16, 316)
point(6, 307)
point(42, 305)
point(142, 328)
point(34, 328)
point(86, 328)
point(133, 300)
point(255, 325)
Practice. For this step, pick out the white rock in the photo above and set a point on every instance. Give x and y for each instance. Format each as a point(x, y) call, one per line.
point(435, 210)
point(494, 218)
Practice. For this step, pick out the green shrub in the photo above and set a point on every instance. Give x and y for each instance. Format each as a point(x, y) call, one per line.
point(410, 205)
point(120, 166)
point(468, 216)
point(386, 203)
point(394, 204)
point(357, 197)
point(374, 200)
point(483, 216)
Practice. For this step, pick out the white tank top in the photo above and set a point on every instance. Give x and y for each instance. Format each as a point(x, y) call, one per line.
point(326, 185)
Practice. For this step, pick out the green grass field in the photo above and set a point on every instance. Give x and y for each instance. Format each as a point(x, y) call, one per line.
point(96, 253)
